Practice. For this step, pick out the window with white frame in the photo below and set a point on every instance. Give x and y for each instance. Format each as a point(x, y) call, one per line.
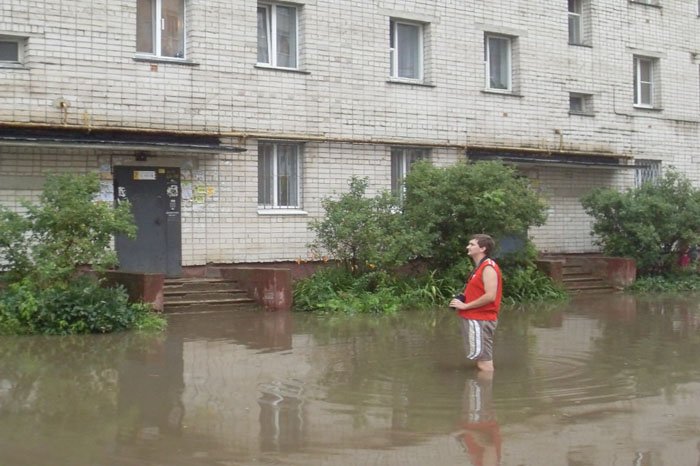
point(647, 171)
point(498, 59)
point(401, 160)
point(11, 50)
point(279, 175)
point(580, 104)
point(406, 49)
point(576, 22)
point(278, 35)
point(160, 28)
point(644, 85)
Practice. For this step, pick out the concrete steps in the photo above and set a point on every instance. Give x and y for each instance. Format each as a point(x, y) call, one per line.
point(577, 281)
point(186, 295)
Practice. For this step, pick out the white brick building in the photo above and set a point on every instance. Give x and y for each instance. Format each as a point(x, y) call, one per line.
point(316, 91)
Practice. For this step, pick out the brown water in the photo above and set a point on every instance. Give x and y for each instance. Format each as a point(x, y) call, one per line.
point(613, 380)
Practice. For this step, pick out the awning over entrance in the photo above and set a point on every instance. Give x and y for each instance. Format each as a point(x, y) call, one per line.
point(129, 140)
point(549, 158)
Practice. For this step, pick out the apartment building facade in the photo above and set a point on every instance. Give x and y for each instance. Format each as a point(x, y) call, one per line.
point(226, 123)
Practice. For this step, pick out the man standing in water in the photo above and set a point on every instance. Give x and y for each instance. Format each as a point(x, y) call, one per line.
point(478, 311)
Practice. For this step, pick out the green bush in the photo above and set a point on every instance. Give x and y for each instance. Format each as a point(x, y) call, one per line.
point(364, 233)
point(649, 224)
point(449, 204)
point(441, 209)
point(667, 283)
point(527, 284)
point(45, 253)
point(81, 306)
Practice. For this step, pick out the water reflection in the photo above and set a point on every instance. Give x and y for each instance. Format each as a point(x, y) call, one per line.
point(597, 381)
point(480, 433)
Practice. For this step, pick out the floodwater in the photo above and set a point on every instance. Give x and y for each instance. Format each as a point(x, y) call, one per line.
point(608, 380)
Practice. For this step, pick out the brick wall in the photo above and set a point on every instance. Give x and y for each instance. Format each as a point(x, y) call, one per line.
point(83, 52)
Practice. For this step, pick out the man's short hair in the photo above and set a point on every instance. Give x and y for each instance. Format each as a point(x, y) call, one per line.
point(485, 241)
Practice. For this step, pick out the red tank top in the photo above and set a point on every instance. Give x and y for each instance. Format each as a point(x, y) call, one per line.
point(475, 289)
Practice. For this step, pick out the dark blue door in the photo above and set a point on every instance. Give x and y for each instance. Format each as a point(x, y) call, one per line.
point(154, 194)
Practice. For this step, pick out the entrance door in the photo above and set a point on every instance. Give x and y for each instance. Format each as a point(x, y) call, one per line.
point(154, 194)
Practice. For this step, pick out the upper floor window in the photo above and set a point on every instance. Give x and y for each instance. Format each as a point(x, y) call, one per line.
point(644, 85)
point(11, 50)
point(575, 22)
point(160, 28)
point(647, 171)
point(580, 104)
point(498, 59)
point(277, 35)
point(406, 49)
point(279, 174)
point(401, 160)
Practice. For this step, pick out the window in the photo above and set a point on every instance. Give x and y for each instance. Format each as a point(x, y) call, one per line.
point(401, 160)
point(497, 55)
point(581, 104)
point(160, 29)
point(644, 87)
point(647, 171)
point(11, 50)
point(406, 50)
point(277, 35)
point(279, 174)
point(575, 22)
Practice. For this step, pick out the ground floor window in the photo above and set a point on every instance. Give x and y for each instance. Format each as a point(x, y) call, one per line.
point(279, 174)
point(647, 171)
point(401, 160)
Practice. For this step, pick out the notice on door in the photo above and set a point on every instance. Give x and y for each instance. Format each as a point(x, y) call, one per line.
point(142, 175)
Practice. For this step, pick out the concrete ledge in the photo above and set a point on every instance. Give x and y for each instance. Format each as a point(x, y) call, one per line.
point(141, 287)
point(269, 287)
point(618, 271)
point(554, 268)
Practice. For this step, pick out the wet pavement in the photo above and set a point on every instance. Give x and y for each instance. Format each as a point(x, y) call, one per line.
point(608, 380)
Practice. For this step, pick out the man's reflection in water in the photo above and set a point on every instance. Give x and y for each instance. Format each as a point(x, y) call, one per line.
point(479, 432)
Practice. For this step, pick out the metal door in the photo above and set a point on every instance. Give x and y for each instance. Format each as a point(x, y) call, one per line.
point(154, 194)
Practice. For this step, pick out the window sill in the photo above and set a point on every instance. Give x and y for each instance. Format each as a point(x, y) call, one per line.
point(503, 93)
point(292, 212)
point(583, 114)
point(575, 44)
point(12, 66)
point(278, 68)
point(157, 59)
point(648, 109)
point(653, 5)
point(409, 82)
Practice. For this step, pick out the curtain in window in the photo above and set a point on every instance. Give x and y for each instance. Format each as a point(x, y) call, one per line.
point(499, 62)
point(575, 21)
point(645, 81)
point(263, 35)
point(287, 175)
point(173, 33)
point(265, 174)
point(145, 17)
point(286, 36)
point(401, 161)
point(408, 43)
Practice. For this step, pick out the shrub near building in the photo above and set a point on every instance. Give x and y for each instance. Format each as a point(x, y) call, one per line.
point(44, 253)
point(374, 239)
point(653, 224)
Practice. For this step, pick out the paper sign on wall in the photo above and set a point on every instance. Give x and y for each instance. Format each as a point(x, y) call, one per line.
point(142, 175)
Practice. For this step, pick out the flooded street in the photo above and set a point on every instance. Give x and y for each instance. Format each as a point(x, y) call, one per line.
point(609, 380)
